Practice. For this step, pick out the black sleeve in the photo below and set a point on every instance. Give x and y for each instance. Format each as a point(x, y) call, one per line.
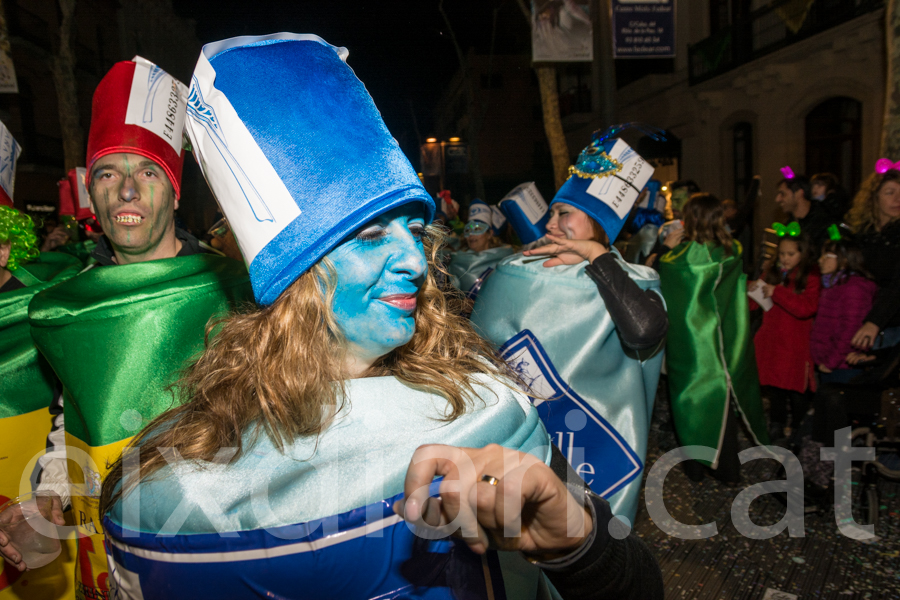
point(887, 303)
point(639, 315)
point(611, 569)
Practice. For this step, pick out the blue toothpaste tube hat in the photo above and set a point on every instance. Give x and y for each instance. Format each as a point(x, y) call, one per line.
point(295, 151)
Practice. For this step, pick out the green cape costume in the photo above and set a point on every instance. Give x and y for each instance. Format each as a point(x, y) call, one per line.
point(27, 387)
point(709, 351)
point(117, 337)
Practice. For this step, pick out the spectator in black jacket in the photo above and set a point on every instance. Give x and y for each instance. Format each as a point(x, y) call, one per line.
point(875, 219)
point(794, 198)
point(826, 188)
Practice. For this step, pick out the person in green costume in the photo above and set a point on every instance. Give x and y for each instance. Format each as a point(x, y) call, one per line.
point(117, 337)
point(709, 358)
point(27, 389)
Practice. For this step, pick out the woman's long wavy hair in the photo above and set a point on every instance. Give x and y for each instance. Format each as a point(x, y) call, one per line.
point(280, 370)
point(865, 214)
point(704, 221)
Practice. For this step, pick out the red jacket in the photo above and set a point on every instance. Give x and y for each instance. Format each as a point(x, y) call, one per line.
point(782, 343)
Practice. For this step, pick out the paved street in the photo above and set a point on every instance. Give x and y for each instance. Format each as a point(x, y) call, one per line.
point(822, 564)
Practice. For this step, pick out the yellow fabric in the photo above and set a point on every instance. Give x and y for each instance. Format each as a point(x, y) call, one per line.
point(88, 466)
point(22, 440)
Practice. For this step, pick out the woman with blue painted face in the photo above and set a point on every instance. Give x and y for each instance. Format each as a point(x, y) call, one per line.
point(302, 461)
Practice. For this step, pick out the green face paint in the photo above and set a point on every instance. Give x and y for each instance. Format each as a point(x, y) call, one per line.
point(134, 201)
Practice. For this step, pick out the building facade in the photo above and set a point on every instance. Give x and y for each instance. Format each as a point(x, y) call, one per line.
point(758, 86)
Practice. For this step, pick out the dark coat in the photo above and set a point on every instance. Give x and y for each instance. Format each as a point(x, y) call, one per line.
point(782, 343)
point(881, 250)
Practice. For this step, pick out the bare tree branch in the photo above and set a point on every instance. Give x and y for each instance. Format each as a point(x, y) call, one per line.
point(63, 69)
point(525, 11)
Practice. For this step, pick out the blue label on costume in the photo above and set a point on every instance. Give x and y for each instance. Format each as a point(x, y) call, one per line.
point(592, 445)
point(366, 553)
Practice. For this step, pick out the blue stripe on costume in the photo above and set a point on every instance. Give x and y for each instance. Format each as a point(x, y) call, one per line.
point(273, 563)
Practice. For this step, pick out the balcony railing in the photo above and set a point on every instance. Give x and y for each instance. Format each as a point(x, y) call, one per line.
point(767, 29)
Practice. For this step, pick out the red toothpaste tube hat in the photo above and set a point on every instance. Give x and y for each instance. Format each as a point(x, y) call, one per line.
point(139, 109)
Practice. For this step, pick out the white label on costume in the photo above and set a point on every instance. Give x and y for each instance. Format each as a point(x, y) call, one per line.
point(621, 190)
point(9, 155)
point(157, 103)
point(527, 366)
point(498, 219)
point(83, 199)
point(255, 201)
point(529, 199)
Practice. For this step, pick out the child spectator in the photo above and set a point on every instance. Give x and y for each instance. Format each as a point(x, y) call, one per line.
point(782, 342)
point(846, 299)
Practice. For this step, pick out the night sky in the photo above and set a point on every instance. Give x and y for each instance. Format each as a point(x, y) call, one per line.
point(400, 49)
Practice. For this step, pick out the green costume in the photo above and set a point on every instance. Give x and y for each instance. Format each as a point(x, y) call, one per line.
point(709, 351)
point(117, 337)
point(27, 387)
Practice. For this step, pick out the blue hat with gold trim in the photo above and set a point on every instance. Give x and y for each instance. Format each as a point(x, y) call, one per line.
point(606, 180)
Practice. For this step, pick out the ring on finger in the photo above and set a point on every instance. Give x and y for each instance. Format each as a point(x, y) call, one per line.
point(490, 480)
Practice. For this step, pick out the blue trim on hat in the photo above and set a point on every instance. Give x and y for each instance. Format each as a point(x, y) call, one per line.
point(574, 192)
point(269, 273)
point(320, 130)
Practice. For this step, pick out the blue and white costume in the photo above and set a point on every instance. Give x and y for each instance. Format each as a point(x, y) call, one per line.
point(261, 526)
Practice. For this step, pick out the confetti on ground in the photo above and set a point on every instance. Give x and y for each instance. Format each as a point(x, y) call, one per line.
point(730, 565)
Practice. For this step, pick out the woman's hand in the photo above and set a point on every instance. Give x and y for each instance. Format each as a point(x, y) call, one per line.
point(568, 252)
point(856, 358)
point(865, 337)
point(768, 289)
point(526, 508)
point(824, 369)
point(673, 239)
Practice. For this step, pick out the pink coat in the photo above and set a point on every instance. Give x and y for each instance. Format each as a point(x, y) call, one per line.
point(842, 310)
point(782, 343)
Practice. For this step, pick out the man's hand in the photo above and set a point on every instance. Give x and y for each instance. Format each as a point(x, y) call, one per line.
point(8, 549)
point(564, 251)
point(857, 358)
point(55, 239)
point(493, 497)
point(865, 337)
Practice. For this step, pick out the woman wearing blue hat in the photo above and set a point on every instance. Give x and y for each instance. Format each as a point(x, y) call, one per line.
point(595, 357)
point(302, 461)
point(471, 267)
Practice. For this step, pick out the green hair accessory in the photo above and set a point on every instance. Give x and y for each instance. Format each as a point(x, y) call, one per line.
point(792, 229)
point(17, 229)
point(834, 232)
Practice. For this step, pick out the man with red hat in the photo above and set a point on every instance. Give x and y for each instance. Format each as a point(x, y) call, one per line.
point(117, 338)
point(135, 158)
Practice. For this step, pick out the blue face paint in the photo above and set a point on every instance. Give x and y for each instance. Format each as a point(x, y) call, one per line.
point(379, 273)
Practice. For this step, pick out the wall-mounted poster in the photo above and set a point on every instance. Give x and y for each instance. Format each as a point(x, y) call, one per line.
point(8, 82)
point(643, 28)
point(561, 31)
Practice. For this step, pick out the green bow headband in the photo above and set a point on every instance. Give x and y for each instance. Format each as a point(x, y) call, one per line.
point(792, 229)
point(834, 232)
